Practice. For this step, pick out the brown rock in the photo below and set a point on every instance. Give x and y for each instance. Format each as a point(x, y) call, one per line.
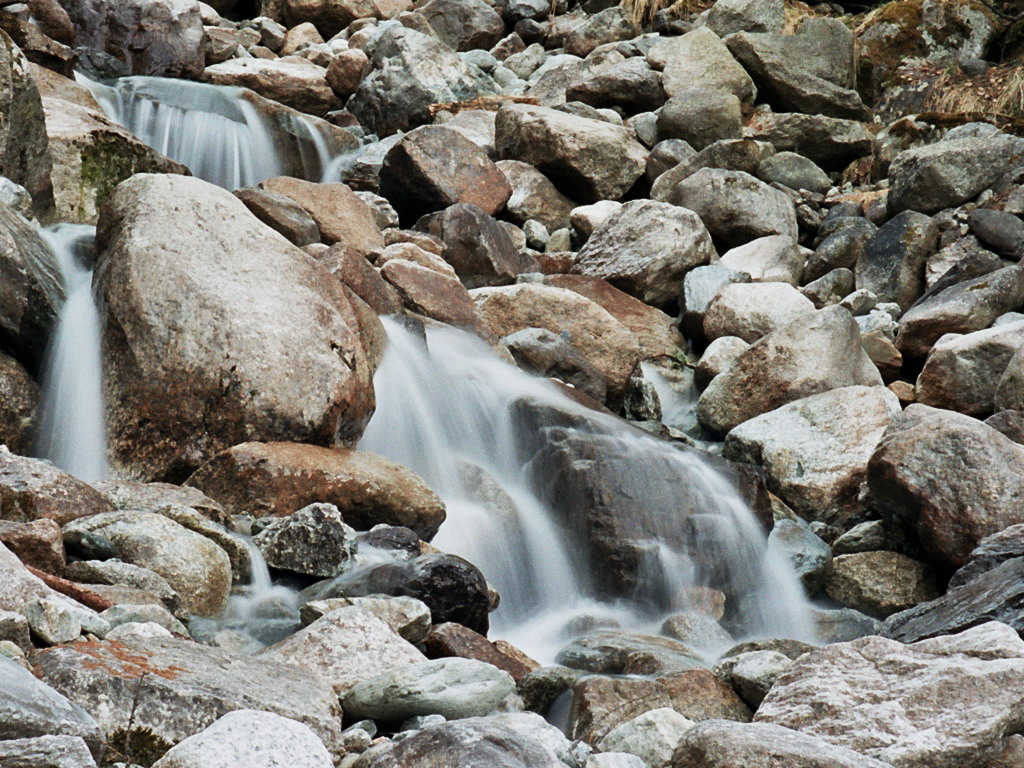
point(31, 489)
point(534, 196)
point(293, 81)
point(332, 16)
point(451, 639)
point(605, 342)
point(359, 275)
point(53, 85)
point(19, 396)
point(150, 497)
point(299, 36)
point(38, 543)
point(433, 294)
point(601, 703)
point(53, 21)
point(880, 583)
point(282, 214)
point(434, 167)
point(346, 71)
point(341, 215)
point(279, 478)
point(38, 47)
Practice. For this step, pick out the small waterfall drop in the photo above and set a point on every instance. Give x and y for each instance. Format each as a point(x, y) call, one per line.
point(72, 433)
point(468, 424)
point(214, 130)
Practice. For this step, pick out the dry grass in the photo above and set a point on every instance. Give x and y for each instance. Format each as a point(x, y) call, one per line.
point(796, 12)
point(1000, 91)
point(642, 12)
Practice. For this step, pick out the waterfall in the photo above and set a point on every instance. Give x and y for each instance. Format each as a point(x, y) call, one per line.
point(479, 432)
point(71, 429)
point(216, 130)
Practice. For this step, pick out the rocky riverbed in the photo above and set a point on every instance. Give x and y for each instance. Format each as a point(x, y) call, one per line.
point(512, 383)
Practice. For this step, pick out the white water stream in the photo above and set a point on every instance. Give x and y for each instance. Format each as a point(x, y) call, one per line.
point(71, 432)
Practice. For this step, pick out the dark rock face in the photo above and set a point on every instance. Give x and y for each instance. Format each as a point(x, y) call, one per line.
point(464, 25)
point(892, 263)
point(31, 489)
point(19, 396)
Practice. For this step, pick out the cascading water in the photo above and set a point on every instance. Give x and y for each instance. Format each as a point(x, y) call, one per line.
point(214, 130)
point(72, 432)
point(478, 431)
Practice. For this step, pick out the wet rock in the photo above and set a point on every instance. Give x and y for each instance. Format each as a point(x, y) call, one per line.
point(282, 214)
point(877, 696)
point(546, 354)
point(947, 477)
point(293, 81)
point(247, 737)
point(810, 557)
point(601, 703)
point(880, 583)
point(464, 26)
point(1002, 232)
point(699, 59)
point(408, 72)
point(31, 489)
point(736, 207)
point(438, 296)
point(962, 372)
point(197, 569)
point(630, 85)
point(454, 640)
point(700, 117)
point(621, 652)
point(31, 709)
point(534, 197)
point(794, 171)
point(892, 262)
point(162, 38)
point(799, 360)
point(46, 752)
point(961, 307)
point(651, 736)
point(455, 688)
point(37, 543)
point(276, 479)
point(775, 258)
point(645, 248)
point(867, 537)
point(830, 142)
point(170, 408)
point(752, 310)
point(156, 692)
point(721, 744)
point(314, 541)
point(589, 160)
point(478, 248)
point(434, 167)
point(947, 173)
point(599, 337)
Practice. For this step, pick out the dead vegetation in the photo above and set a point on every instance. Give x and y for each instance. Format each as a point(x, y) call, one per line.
point(999, 91)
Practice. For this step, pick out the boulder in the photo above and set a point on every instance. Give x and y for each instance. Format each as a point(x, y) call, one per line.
point(619, 652)
point(630, 85)
point(31, 489)
point(541, 352)
point(464, 25)
point(1001, 231)
point(600, 338)
point(276, 479)
point(150, 693)
point(356, 272)
point(700, 117)
point(196, 568)
point(645, 248)
point(38, 544)
point(752, 310)
point(699, 59)
point(805, 358)
point(831, 142)
point(314, 541)
point(880, 583)
point(19, 397)
point(454, 688)
point(947, 173)
point(752, 673)
point(249, 737)
point(700, 286)
point(433, 294)
point(293, 81)
point(949, 478)
point(52, 622)
point(964, 372)
point(736, 207)
point(91, 155)
point(534, 196)
point(651, 736)
point(46, 752)
point(607, 26)
point(409, 71)
point(724, 744)
point(434, 167)
point(344, 647)
point(20, 585)
point(282, 214)
point(407, 616)
point(201, 374)
point(589, 160)
point(332, 16)
point(794, 171)
point(807, 553)
point(775, 258)
point(879, 697)
point(719, 355)
point(891, 264)
point(728, 16)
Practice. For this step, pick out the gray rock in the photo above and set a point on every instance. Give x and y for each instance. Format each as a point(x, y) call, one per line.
point(30, 708)
point(699, 59)
point(962, 307)
point(1009, 393)
point(407, 616)
point(750, 311)
point(621, 652)
point(840, 625)
point(282, 214)
point(126, 613)
point(697, 630)
point(867, 537)
point(589, 160)
point(1009, 423)
point(546, 354)
point(728, 16)
point(651, 736)
point(1002, 232)
point(534, 197)
point(701, 116)
point(830, 142)
point(51, 622)
point(249, 737)
point(454, 687)
point(753, 673)
point(962, 372)
point(992, 551)
point(719, 355)
point(665, 155)
point(877, 696)
point(115, 572)
point(949, 478)
point(794, 171)
point(805, 358)
point(464, 26)
point(606, 26)
point(700, 286)
point(614, 760)
point(775, 258)
point(947, 173)
point(14, 629)
point(630, 85)
point(880, 583)
point(736, 207)
point(314, 541)
point(724, 744)
point(20, 586)
point(810, 557)
point(645, 248)
point(46, 752)
point(829, 288)
point(892, 262)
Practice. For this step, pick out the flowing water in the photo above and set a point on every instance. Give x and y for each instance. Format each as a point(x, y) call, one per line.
point(71, 431)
